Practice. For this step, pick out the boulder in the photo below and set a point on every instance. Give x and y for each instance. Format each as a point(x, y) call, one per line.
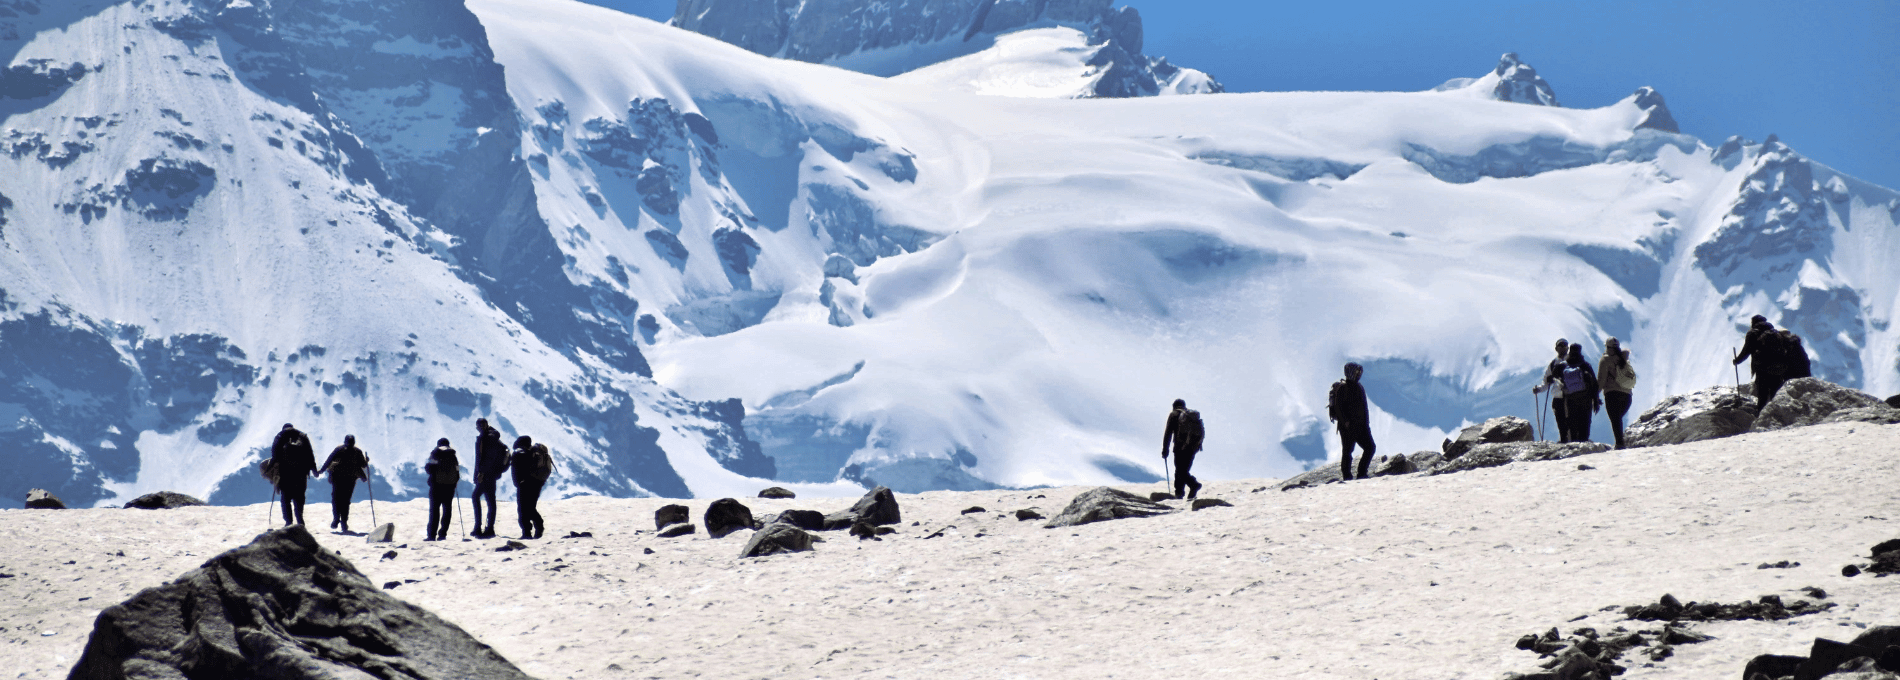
point(1894, 401)
point(1499, 430)
point(1772, 666)
point(877, 507)
point(1158, 496)
point(280, 607)
point(1326, 473)
point(1494, 455)
point(41, 499)
point(382, 534)
point(1105, 503)
point(1807, 401)
point(776, 538)
point(1877, 415)
point(1205, 503)
point(669, 515)
point(809, 520)
point(974, 509)
point(1710, 413)
point(163, 500)
point(777, 492)
point(679, 529)
point(1026, 514)
point(863, 531)
point(727, 515)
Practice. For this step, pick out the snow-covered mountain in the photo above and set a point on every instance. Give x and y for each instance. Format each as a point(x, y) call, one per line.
point(694, 269)
point(1035, 48)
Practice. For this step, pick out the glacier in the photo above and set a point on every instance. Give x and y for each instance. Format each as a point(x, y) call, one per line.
point(696, 270)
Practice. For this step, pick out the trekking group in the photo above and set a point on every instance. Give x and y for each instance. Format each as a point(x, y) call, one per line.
point(293, 462)
point(1577, 391)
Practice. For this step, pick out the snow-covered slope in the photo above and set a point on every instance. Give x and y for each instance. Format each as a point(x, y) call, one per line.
point(1102, 46)
point(693, 269)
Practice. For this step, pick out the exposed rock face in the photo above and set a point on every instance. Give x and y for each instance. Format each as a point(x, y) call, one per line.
point(671, 514)
point(1105, 503)
point(776, 538)
point(1493, 455)
point(1710, 413)
point(1518, 82)
point(1205, 503)
point(163, 500)
point(1493, 431)
point(677, 530)
point(1655, 113)
point(382, 534)
point(809, 520)
point(280, 607)
point(1808, 401)
point(1324, 474)
point(875, 508)
point(777, 492)
point(1878, 415)
point(41, 499)
point(727, 515)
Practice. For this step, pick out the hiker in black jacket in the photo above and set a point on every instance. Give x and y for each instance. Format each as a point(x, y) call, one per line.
point(491, 459)
point(1346, 406)
point(1184, 432)
point(1553, 381)
point(296, 463)
point(1778, 357)
point(528, 475)
point(346, 464)
point(1581, 397)
point(444, 473)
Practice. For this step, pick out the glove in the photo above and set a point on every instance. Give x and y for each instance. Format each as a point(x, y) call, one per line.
point(1537, 389)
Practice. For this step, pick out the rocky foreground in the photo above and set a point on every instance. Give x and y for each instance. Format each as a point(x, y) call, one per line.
point(1527, 567)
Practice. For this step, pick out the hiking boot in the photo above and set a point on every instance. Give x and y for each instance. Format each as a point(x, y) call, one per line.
point(333, 524)
point(1193, 488)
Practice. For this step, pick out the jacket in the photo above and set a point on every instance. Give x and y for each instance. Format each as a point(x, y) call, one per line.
point(345, 464)
point(292, 459)
point(1614, 372)
point(443, 468)
point(491, 456)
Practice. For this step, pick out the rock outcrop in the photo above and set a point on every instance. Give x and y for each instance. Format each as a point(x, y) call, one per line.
point(1502, 429)
point(877, 507)
point(1711, 413)
point(727, 515)
point(1493, 455)
point(1808, 401)
point(163, 500)
point(677, 529)
point(776, 538)
point(280, 607)
point(41, 499)
point(809, 520)
point(1104, 503)
point(777, 492)
point(669, 515)
point(1872, 655)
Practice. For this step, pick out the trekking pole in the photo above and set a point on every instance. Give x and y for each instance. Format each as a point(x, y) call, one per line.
point(369, 482)
point(1738, 369)
point(458, 519)
point(1167, 474)
point(267, 508)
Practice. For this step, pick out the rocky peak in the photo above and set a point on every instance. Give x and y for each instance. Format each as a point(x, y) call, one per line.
point(1518, 82)
point(1655, 112)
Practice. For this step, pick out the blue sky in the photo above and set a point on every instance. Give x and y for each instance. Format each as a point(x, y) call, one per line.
point(1823, 75)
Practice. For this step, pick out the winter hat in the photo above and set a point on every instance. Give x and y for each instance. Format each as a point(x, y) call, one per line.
point(1180, 404)
point(349, 440)
point(442, 442)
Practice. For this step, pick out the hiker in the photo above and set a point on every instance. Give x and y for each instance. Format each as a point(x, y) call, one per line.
point(1580, 397)
point(491, 459)
point(1778, 358)
point(1617, 378)
point(1553, 381)
point(531, 464)
point(444, 472)
point(295, 463)
point(1184, 432)
point(1346, 407)
point(346, 464)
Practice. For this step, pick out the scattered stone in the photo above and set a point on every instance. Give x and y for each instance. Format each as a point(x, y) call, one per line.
point(390, 555)
point(41, 499)
point(863, 531)
point(382, 534)
point(1401, 464)
point(1772, 666)
point(1768, 608)
point(280, 607)
point(1894, 401)
point(1026, 514)
point(1807, 401)
point(1784, 564)
point(679, 529)
point(777, 492)
point(646, 551)
point(669, 515)
point(878, 507)
point(1876, 415)
point(775, 539)
point(163, 500)
point(1159, 496)
point(1326, 473)
point(1494, 455)
point(1105, 503)
point(1710, 413)
point(1203, 503)
point(1815, 593)
point(512, 546)
point(886, 531)
point(809, 520)
point(727, 515)
point(391, 585)
point(939, 533)
point(1585, 467)
point(1499, 430)
point(1850, 571)
point(974, 509)
point(579, 534)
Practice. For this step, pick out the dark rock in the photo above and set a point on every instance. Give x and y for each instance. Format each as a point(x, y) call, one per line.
point(1815, 593)
point(391, 585)
point(1894, 401)
point(973, 510)
point(280, 607)
point(1202, 503)
point(1886, 563)
point(678, 529)
point(382, 534)
point(512, 546)
point(1673, 635)
point(777, 492)
point(1884, 547)
point(727, 515)
point(1529, 641)
point(390, 555)
point(646, 551)
point(1585, 467)
point(809, 520)
point(1825, 656)
point(1784, 564)
point(1807, 401)
point(886, 531)
point(1877, 415)
point(670, 515)
point(163, 500)
point(1027, 514)
point(579, 534)
point(1326, 473)
point(1710, 413)
point(41, 499)
point(863, 531)
point(1772, 666)
point(775, 539)
point(1850, 571)
point(876, 508)
point(1494, 455)
point(1502, 429)
point(1403, 464)
point(1158, 496)
point(1105, 503)
point(1878, 637)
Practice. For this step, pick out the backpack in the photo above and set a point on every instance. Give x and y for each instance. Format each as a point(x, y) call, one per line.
point(1626, 373)
point(268, 469)
point(1783, 352)
point(540, 465)
point(446, 469)
point(1189, 431)
point(1574, 382)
